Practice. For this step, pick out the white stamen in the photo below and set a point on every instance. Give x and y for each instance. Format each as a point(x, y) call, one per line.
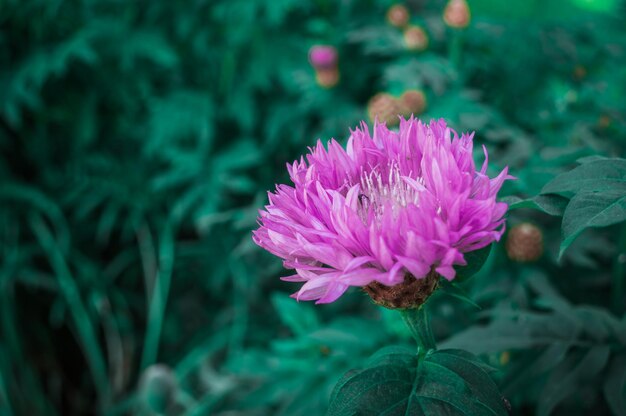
point(378, 194)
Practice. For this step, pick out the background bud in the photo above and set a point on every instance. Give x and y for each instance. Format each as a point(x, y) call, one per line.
point(524, 243)
point(384, 107)
point(327, 77)
point(415, 38)
point(412, 102)
point(457, 14)
point(323, 57)
point(398, 15)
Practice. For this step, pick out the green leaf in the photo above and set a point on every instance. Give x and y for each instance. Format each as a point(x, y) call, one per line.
point(565, 380)
point(615, 386)
point(597, 175)
point(456, 291)
point(592, 209)
point(540, 365)
point(475, 260)
point(550, 204)
point(398, 383)
point(299, 317)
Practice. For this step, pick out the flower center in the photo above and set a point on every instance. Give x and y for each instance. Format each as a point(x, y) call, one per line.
point(384, 189)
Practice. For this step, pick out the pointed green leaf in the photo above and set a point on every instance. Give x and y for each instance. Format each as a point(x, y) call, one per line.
point(299, 317)
point(598, 175)
point(565, 380)
point(456, 291)
point(475, 261)
point(550, 204)
point(592, 209)
point(398, 383)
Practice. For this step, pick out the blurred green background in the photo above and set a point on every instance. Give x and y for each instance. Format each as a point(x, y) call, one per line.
point(138, 140)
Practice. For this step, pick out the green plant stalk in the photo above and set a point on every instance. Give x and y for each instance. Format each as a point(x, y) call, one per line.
point(240, 309)
point(156, 311)
point(84, 326)
point(619, 273)
point(418, 321)
point(455, 48)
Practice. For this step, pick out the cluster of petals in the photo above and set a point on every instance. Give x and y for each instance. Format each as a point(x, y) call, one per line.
point(391, 204)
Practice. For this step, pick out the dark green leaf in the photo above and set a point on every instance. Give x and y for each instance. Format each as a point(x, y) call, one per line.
point(475, 261)
point(598, 175)
point(550, 204)
point(454, 290)
point(592, 209)
point(397, 383)
point(615, 385)
point(565, 380)
point(299, 317)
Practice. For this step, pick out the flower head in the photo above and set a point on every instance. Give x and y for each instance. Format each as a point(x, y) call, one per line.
point(323, 57)
point(391, 205)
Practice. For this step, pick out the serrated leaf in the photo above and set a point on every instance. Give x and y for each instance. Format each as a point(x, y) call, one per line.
point(399, 383)
point(592, 209)
point(598, 175)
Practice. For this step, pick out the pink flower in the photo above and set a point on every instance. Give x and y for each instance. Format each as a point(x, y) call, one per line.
point(390, 205)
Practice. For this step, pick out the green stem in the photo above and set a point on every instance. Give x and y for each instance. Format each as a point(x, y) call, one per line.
point(619, 273)
point(418, 322)
point(69, 289)
point(160, 293)
point(455, 48)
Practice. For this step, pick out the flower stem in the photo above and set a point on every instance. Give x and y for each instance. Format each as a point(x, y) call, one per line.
point(86, 329)
point(619, 273)
point(158, 298)
point(455, 48)
point(418, 322)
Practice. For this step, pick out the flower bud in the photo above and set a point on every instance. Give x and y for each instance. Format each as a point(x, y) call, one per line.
point(398, 15)
point(604, 121)
point(524, 243)
point(457, 14)
point(410, 294)
point(384, 107)
point(158, 387)
point(415, 38)
point(327, 77)
point(580, 72)
point(412, 102)
point(323, 57)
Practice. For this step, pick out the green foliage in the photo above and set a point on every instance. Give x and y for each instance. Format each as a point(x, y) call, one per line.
point(137, 143)
point(597, 192)
point(475, 261)
point(396, 382)
point(561, 347)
